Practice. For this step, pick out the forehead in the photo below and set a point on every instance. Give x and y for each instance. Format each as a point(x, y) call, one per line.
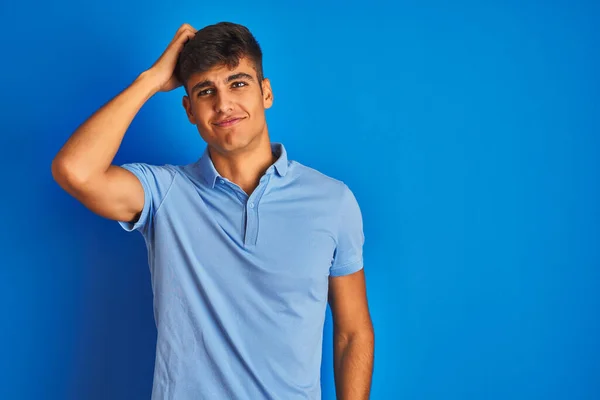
point(219, 73)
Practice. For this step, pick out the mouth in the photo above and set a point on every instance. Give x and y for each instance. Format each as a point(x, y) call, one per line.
point(228, 122)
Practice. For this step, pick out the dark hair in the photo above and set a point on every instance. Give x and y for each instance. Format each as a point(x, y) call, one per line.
point(223, 43)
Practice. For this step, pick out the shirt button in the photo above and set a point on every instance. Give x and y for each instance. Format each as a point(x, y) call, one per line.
point(251, 205)
point(221, 181)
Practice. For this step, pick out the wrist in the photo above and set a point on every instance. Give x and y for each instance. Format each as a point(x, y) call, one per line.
point(148, 82)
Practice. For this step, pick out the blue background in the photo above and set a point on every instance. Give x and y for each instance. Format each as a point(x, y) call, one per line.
point(468, 133)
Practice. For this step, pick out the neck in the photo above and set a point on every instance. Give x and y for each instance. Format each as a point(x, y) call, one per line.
point(244, 168)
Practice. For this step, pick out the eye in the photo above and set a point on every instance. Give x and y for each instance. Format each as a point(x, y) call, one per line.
point(203, 92)
point(239, 82)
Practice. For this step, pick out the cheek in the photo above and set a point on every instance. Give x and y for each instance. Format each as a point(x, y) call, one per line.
point(203, 115)
point(258, 106)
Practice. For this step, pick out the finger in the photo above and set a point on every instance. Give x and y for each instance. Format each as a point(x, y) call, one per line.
point(184, 36)
point(191, 27)
point(185, 27)
point(177, 45)
point(181, 29)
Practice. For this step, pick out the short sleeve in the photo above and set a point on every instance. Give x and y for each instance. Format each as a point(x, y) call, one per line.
point(156, 181)
point(348, 255)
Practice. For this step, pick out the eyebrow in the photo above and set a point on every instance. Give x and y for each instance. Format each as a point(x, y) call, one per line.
point(230, 78)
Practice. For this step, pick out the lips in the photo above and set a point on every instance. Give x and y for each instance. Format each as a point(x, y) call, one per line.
point(228, 122)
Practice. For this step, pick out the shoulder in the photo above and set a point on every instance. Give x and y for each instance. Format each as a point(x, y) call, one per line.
point(314, 178)
point(161, 171)
point(159, 178)
point(147, 168)
point(334, 194)
point(151, 173)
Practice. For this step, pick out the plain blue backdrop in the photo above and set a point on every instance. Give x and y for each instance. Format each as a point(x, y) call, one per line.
point(468, 131)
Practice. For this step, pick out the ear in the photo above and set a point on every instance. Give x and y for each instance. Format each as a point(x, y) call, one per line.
point(188, 109)
point(267, 93)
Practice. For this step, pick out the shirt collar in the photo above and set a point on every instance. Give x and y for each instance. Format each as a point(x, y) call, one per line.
point(210, 174)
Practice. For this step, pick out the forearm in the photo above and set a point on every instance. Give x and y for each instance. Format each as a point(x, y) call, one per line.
point(353, 365)
point(92, 147)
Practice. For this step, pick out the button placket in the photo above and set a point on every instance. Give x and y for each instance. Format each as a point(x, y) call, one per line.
point(252, 212)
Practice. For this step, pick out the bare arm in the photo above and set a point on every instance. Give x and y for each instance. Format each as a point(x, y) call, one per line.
point(83, 166)
point(353, 336)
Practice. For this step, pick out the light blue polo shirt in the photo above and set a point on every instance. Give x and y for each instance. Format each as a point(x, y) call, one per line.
point(240, 282)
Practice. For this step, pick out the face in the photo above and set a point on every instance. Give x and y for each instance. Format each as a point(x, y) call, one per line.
point(228, 107)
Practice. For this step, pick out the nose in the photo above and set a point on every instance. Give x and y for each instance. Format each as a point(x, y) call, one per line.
point(223, 103)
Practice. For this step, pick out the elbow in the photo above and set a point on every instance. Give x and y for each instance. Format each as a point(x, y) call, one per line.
point(66, 175)
point(59, 171)
point(365, 334)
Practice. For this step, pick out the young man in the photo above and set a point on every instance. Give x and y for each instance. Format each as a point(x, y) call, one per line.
point(245, 245)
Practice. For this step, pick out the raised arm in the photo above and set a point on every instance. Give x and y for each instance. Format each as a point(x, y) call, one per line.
point(83, 166)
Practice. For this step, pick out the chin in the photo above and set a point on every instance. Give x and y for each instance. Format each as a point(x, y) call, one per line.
point(231, 140)
point(229, 144)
